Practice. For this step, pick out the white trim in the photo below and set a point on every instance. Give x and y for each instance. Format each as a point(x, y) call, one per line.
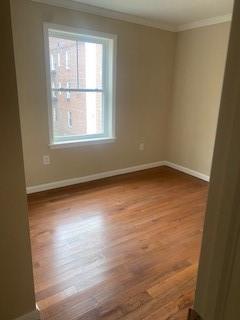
point(205, 22)
point(97, 176)
point(48, 81)
point(187, 171)
point(79, 30)
point(34, 315)
point(73, 144)
point(112, 173)
point(74, 5)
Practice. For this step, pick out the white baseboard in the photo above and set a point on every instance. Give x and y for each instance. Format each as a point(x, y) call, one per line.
point(34, 315)
point(188, 171)
point(97, 176)
point(112, 173)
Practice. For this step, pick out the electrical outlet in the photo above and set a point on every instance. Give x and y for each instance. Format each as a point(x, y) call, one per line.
point(141, 146)
point(46, 160)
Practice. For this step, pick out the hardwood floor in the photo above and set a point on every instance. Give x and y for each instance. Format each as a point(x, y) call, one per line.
point(122, 248)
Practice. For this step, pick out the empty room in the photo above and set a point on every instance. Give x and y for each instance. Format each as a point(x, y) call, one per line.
point(118, 105)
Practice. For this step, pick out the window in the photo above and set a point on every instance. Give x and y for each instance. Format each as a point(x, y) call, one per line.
point(68, 95)
point(59, 59)
point(88, 85)
point(67, 60)
point(59, 87)
point(69, 116)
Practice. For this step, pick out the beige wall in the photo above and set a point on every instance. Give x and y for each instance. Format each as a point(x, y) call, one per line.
point(16, 282)
point(144, 75)
point(199, 68)
point(168, 94)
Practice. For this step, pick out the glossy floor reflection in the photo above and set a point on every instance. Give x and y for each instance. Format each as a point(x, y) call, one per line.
point(123, 248)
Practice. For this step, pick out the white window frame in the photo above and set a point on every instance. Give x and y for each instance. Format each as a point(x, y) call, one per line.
point(109, 42)
point(52, 63)
point(54, 95)
point(55, 114)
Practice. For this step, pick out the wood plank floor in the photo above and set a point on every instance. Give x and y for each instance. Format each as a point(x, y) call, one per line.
point(122, 248)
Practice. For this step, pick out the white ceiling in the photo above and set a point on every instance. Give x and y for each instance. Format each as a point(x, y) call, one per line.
point(171, 12)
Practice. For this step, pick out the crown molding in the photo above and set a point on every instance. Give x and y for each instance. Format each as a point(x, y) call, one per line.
point(74, 5)
point(205, 22)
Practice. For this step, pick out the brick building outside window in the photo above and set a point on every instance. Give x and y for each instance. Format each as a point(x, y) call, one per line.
point(76, 64)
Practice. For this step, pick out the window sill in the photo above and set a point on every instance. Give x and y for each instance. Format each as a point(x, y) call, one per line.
point(72, 144)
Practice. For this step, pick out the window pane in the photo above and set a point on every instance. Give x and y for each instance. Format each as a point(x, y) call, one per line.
point(75, 64)
point(63, 62)
point(77, 115)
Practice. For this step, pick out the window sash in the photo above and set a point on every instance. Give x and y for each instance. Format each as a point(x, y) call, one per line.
point(103, 90)
point(87, 39)
point(105, 117)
